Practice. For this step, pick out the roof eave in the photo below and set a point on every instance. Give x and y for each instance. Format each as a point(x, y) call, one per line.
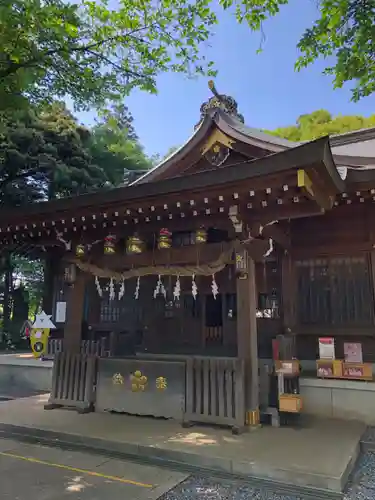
point(307, 155)
point(180, 153)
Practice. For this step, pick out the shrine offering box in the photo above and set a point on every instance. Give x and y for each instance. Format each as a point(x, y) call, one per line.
point(329, 368)
point(290, 403)
point(287, 367)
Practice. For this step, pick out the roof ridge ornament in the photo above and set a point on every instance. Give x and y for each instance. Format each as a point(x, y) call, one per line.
point(221, 102)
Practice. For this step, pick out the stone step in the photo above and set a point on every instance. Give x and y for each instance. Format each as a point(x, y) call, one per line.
point(143, 455)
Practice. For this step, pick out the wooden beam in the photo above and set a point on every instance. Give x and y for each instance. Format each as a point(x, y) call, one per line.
point(191, 254)
point(314, 192)
point(247, 337)
point(289, 291)
point(74, 313)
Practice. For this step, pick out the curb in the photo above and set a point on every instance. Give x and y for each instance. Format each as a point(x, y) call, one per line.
point(147, 455)
point(367, 444)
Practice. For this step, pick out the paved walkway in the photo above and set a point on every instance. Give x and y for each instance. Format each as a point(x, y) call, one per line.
point(30, 472)
point(320, 454)
point(24, 359)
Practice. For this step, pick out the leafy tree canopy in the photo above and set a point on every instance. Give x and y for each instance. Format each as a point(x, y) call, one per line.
point(344, 30)
point(114, 144)
point(96, 53)
point(321, 123)
point(43, 155)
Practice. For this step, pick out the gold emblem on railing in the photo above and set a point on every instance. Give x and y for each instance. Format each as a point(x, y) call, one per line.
point(161, 383)
point(138, 381)
point(118, 379)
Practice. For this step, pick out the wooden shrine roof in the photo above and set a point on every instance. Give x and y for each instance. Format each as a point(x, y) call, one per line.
point(351, 150)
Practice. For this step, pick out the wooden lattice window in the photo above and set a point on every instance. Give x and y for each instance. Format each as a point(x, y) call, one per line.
point(336, 291)
point(109, 310)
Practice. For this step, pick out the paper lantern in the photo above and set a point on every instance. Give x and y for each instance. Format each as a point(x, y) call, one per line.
point(164, 239)
point(110, 245)
point(80, 250)
point(201, 235)
point(134, 245)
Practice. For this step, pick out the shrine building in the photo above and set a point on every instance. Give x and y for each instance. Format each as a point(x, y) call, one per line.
point(240, 255)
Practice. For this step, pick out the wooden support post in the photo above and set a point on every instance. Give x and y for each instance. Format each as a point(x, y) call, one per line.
point(247, 333)
point(74, 314)
point(289, 295)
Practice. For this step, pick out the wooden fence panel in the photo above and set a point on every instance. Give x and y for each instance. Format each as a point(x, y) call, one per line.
point(89, 347)
point(73, 382)
point(215, 391)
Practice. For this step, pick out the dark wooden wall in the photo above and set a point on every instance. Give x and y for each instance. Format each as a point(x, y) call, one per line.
point(344, 238)
point(340, 246)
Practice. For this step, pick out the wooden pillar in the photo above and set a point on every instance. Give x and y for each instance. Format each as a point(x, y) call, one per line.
point(288, 279)
point(74, 313)
point(247, 341)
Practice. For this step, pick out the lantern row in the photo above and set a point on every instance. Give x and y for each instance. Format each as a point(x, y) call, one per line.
point(135, 245)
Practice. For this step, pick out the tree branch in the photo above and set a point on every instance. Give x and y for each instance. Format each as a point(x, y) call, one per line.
point(13, 67)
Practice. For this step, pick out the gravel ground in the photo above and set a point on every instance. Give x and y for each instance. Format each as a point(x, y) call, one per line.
point(198, 488)
point(361, 487)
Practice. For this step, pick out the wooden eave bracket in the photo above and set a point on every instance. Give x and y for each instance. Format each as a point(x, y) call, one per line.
point(309, 187)
point(270, 229)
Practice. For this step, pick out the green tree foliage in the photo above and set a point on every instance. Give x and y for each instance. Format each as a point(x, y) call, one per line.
point(28, 274)
point(114, 144)
point(343, 31)
point(170, 151)
point(96, 53)
point(321, 123)
point(44, 155)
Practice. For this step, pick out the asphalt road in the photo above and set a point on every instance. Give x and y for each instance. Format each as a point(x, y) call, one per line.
point(35, 472)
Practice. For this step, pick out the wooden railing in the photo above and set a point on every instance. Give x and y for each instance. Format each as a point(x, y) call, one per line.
point(215, 391)
point(90, 347)
point(95, 347)
point(53, 347)
point(213, 334)
point(73, 382)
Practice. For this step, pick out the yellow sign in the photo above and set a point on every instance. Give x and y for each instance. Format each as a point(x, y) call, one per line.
point(39, 334)
point(161, 383)
point(138, 381)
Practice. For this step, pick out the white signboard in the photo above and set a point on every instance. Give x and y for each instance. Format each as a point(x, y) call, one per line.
point(60, 312)
point(327, 348)
point(353, 352)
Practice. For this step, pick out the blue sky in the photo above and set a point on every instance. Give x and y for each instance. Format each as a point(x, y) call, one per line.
point(268, 90)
